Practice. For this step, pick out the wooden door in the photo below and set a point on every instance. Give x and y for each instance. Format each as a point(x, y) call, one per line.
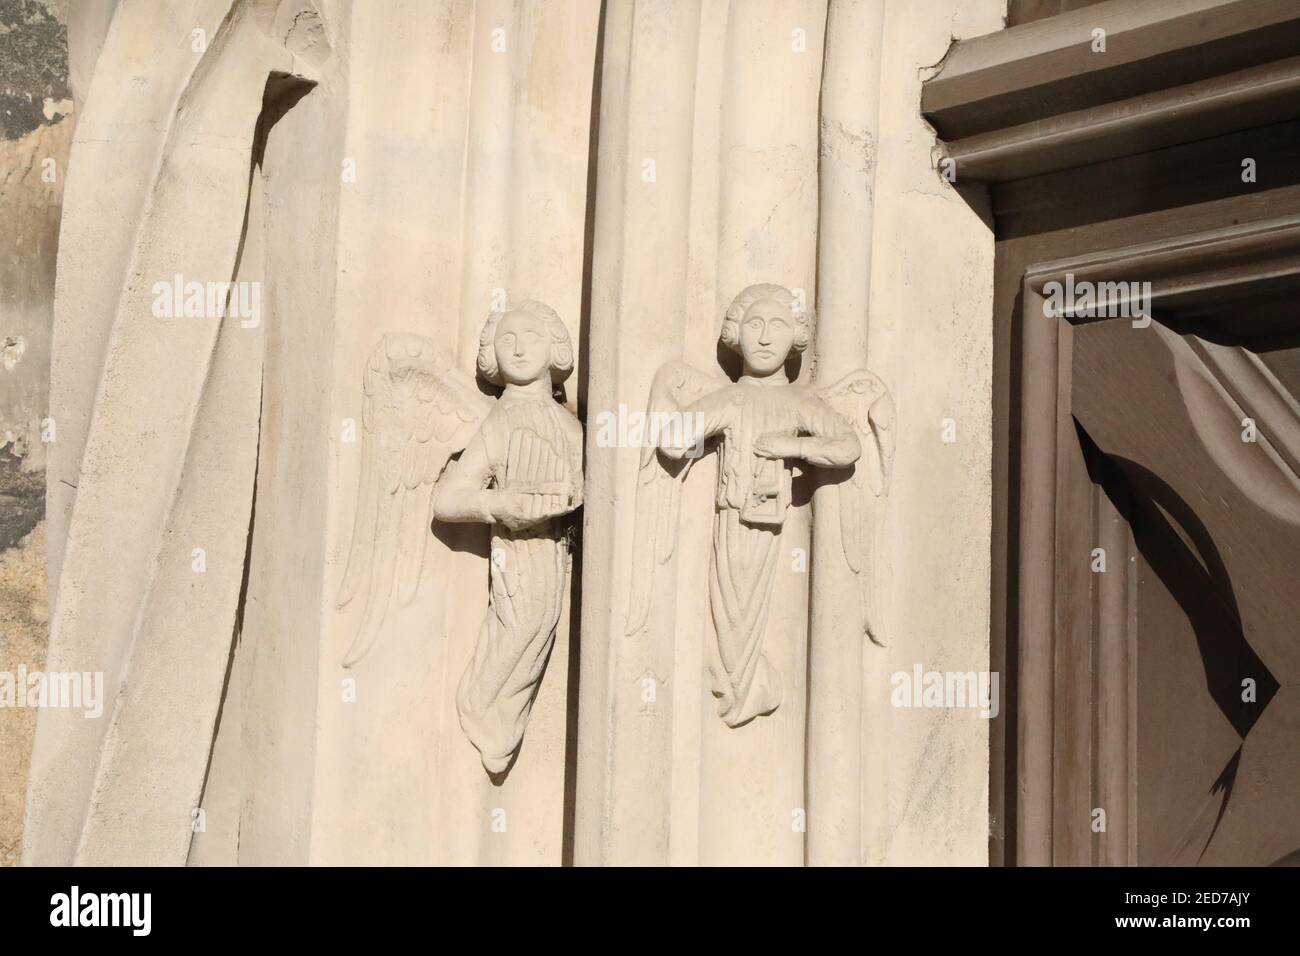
point(1160, 556)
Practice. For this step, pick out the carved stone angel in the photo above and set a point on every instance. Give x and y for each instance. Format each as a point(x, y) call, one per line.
point(520, 470)
point(765, 423)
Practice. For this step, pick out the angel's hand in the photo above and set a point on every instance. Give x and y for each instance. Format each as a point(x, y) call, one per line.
point(559, 498)
point(523, 509)
point(777, 445)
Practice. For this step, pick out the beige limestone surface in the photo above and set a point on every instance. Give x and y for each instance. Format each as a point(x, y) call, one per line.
point(24, 620)
point(407, 167)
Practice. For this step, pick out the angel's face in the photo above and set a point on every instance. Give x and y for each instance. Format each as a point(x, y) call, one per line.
point(523, 348)
point(767, 333)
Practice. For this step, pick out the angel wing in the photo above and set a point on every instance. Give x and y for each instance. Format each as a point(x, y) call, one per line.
point(417, 412)
point(676, 386)
point(862, 398)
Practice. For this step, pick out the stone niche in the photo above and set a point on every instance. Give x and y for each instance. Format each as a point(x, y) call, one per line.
point(512, 432)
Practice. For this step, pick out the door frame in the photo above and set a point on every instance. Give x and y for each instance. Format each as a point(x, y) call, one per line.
point(1053, 687)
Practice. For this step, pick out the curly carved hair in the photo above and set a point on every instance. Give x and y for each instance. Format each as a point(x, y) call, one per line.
point(730, 334)
point(561, 345)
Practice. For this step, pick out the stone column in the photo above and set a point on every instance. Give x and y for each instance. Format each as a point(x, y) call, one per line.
point(848, 145)
point(625, 757)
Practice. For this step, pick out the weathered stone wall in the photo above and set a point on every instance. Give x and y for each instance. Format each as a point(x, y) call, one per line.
point(635, 170)
point(35, 134)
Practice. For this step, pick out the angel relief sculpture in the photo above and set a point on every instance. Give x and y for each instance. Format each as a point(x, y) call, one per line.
point(760, 424)
point(519, 470)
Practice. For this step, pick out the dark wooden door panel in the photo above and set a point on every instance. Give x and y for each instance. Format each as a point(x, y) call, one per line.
point(1215, 526)
point(1148, 399)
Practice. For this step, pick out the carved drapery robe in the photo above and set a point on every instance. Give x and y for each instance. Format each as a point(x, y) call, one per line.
point(752, 497)
point(526, 441)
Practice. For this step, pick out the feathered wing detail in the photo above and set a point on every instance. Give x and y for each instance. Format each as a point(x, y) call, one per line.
point(676, 386)
point(862, 398)
point(417, 412)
